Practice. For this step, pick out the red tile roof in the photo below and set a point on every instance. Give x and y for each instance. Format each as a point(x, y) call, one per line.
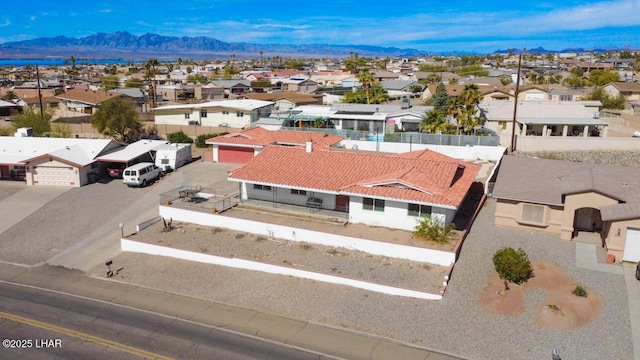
point(259, 136)
point(419, 176)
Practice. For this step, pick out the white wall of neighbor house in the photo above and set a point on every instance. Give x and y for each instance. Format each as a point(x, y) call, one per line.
point(395, 214)
point(437, 257)
point(493, 153)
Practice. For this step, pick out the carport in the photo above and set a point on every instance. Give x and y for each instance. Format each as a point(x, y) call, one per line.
point(139, 151)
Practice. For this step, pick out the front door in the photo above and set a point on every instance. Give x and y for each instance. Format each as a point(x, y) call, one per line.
point(342, 203)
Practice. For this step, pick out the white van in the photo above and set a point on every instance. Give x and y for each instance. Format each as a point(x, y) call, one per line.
point(140, 174)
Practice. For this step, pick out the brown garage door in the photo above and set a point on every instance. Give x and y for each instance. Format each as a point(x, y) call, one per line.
point(231, 154)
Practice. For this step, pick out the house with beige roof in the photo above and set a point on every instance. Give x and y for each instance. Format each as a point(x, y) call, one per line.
point(285, 100)
point(394, 191)
point(543, 118)
point(225, 113)
point(83, 101)
point(243, 146)
point(629, 90)
point(567, 198)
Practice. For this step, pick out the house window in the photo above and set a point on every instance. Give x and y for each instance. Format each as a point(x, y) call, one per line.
point(373, 204)
point(418, 210)
point(262, 187)
point(299, 192)
point(203, 113)
point(567, 97)
point(187, 116)
point(533, 214)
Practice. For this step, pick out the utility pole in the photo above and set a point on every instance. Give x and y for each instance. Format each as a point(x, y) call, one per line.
point(39, 92)
point(515, 106)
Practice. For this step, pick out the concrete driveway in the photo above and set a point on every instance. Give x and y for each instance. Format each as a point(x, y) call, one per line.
point(25, 201)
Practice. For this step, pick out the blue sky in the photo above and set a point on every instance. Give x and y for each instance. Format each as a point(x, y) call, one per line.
point(438, 26)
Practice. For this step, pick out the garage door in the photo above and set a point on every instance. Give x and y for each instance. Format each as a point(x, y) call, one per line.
point(632, 246)
point(49, 175)
point(231, 154)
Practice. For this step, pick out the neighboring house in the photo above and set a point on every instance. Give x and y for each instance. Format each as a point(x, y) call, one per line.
point(226, 113)
point(191, 92)
point(305, 86)
point(629, 90)
point(243, 146)
point(382, 75)
point(233, 87)
point(83, 101)
point(7, 108)
point(400, 88)
point(286, 100)
point(497, 94)
point(531, 93)
point(53, 161)
point(394, 191)
point(543, 118)
point(139, 99)
point(566, 198)
point(377, 117)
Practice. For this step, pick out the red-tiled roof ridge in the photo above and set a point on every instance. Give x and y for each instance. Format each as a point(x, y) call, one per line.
point(426, 154)
point(410, 177)
point(258, 136)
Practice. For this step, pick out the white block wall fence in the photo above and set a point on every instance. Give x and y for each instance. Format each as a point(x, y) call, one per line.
point(437, 257)
point(144, 248)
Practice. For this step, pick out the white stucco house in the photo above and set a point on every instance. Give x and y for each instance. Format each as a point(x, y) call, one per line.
point(228, 113)
point(393, 191)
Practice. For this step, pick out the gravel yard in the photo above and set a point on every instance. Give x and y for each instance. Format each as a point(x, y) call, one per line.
point(458, 324)
point(309, 257)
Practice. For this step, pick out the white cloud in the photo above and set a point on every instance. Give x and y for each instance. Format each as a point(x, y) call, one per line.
point(5, 23)
point(105, 11)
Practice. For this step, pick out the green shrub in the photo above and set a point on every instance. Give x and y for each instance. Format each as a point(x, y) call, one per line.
point(179, 137)
point(200, 139)
point(433, 229)
point(513, 265)
point(579, 291)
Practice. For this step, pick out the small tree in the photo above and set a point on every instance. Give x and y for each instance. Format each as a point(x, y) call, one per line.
point(434, 229)
point(60, 130)
point(31, 117)
point(117, 118)
point(512, 265)
point(179, 137)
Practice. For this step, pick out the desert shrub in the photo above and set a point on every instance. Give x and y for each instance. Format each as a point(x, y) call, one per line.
point(202, 138)
point(433, 229)
point(579, 291)
point(179, 137)
point(513, 265)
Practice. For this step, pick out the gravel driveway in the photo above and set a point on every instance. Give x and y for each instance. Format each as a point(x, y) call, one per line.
point(457, 324)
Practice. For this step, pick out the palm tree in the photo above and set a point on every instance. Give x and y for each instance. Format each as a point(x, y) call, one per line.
point(469, 99)
point(366, 80)
point(150, 74)
point(9, 96)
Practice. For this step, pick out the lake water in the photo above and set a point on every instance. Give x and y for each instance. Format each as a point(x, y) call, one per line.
point(60, 62)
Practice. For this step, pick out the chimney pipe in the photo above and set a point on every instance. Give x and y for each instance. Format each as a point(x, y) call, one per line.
point(309, 146)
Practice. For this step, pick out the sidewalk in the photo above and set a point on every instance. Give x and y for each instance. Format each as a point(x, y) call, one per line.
point(336, 342)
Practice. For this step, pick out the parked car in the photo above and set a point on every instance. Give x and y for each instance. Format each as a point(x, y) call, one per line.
point(116, 171)
point(141, 174)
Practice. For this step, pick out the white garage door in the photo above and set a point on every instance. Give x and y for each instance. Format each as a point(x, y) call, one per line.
point(49, 175)
point(632, 246)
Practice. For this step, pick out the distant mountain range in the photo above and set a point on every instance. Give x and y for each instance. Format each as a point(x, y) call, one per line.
point(123, 45)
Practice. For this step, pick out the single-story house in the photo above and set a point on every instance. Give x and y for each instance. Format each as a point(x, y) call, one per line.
point(83, 100)
point(7, 108)
point(305, 86)
point(543, 118)
point(629, 90)
point(379, 118)
point(227, 113)
point(286, 100)
point(565, 198)
point(53, 161)
point(394, 191)
point(243, 146)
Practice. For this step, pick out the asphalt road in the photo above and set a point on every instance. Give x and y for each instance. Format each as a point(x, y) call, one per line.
point(39, 324)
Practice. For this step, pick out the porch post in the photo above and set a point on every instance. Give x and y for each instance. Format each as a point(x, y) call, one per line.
point(604, 131)
point(585, 133)
point(524, 129)
point(565, 128)
point(544, 130)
